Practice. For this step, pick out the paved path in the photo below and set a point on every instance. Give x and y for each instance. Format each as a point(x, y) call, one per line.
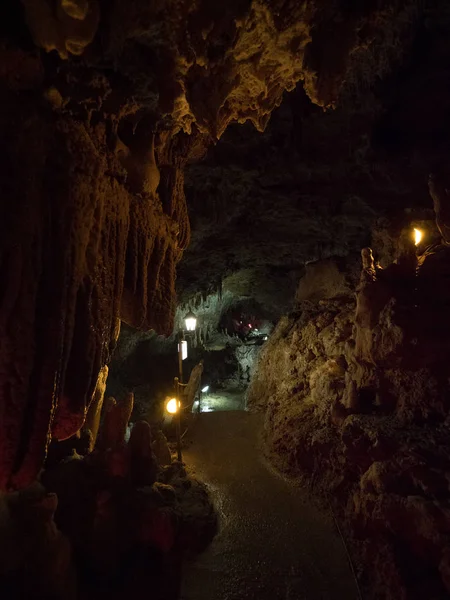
point(273, 543)
point(223, 400)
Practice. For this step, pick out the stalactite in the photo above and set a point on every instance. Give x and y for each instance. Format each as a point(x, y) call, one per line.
point(94, 248)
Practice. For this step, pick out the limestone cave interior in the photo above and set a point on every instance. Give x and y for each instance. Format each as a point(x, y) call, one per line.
point(263, 186)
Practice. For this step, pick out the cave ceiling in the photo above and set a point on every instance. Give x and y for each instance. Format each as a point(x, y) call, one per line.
point(316, 182)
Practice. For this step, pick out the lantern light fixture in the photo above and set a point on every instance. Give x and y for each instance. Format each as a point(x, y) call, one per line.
point(191, 321)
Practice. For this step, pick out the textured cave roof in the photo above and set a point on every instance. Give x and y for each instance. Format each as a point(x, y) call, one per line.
point(315, 183)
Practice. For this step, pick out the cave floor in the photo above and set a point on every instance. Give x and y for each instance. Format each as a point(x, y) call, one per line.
point(227, 400)
point(273, 542)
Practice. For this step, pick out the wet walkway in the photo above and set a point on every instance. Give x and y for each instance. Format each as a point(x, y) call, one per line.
point(273, 544)
point(222, 400)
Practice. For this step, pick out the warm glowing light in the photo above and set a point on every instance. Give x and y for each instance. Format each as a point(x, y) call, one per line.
point(172, 406)
point(417, 236)
point(191, 321)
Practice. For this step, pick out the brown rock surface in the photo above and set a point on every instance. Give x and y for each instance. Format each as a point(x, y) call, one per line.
point(356, 400)
point(36, 558)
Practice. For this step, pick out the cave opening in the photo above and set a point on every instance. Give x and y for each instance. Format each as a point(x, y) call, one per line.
point(229, 334)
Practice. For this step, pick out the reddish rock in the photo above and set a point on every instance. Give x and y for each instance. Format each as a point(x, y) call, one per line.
point(117, 416)
point(157, 529)
point(143, 466)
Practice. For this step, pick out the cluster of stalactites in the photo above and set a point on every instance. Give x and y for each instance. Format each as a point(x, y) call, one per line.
point(67, 26)
point(80, 252)
point(210, 67)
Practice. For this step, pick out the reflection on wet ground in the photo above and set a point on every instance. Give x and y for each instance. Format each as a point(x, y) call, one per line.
point(220, 400)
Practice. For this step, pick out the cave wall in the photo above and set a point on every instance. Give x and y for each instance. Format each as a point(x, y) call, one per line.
point(74, 240)
point(355, 391)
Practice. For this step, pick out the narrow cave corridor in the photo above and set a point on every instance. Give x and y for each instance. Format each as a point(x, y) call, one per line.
point(273, 543)
point(224, 300)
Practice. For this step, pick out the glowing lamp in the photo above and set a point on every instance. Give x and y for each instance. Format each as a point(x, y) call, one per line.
point(418, 234)
point(191, 321)
point(205, 389)
point(172, 406)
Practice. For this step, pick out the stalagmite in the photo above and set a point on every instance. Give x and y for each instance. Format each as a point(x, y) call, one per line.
point(143, 465)
point(117, 415)
point(92, 421)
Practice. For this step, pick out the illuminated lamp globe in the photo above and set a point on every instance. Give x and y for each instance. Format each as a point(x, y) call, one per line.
point(172, 406)
point(191, 321)
point(418, 234)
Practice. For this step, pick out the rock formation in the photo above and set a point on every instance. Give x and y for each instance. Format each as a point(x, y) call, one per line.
point(113, 522)
point(356, 395)
point(92, 421)
point(440, 195)
point(102, 108)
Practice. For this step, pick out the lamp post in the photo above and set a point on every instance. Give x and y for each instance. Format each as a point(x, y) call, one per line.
point(190, 321)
